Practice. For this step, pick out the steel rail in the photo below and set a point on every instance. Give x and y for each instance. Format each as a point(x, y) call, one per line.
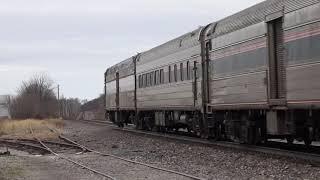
point(15, 143)
point(46, 142)
point(70, 160)
point(131, 161)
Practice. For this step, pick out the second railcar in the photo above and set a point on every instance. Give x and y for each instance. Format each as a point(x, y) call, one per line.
point(169, 84)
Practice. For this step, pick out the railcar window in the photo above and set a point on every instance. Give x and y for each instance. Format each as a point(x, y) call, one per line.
point(140, 81)
point(161, 76)
point(175, 73)
point(188, 71)
point(144, 80)
point(181, 72)
point(156, 77)
point(148, 79)
point(241, 62)
point(169, 74)
point(152, 79)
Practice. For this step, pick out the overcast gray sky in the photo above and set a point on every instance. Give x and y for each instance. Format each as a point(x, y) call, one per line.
point(74, 41)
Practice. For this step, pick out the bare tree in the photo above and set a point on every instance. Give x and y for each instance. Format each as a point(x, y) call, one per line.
point(69, 108)
point(35, 99)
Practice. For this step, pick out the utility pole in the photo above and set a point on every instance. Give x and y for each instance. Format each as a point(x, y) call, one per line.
point(59, 101)
point(58, 92)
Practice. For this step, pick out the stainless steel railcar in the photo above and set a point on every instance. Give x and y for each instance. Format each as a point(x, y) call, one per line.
point(120, 92)
point(249, 77)
point(167, 83)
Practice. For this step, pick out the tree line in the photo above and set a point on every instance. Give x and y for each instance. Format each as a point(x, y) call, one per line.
point(37, 98)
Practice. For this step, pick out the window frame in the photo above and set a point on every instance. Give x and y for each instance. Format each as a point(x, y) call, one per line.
point(188, 70)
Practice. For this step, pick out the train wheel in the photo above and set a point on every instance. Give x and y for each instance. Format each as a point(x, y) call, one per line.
point(189, 130)
point(307, 141)
point(308, 136)
point(290, 140)
point(217, 133)
point(252, 135)
point(120, 124)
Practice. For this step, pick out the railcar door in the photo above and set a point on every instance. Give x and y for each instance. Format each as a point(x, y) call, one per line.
point(277, 73)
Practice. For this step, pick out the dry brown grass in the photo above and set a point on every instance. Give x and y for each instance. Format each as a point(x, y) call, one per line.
point(17, 129)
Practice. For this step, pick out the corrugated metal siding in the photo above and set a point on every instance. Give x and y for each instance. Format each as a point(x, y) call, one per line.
point(302, 83)
point(292, 5)
point(257, 13)
point(250, 16)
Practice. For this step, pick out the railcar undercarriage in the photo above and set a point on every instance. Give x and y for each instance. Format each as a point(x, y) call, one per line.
point(243, 126)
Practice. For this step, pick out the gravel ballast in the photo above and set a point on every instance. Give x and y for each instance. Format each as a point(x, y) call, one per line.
point(198, 160)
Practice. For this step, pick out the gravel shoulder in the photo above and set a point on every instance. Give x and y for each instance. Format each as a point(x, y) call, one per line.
point(199, 160)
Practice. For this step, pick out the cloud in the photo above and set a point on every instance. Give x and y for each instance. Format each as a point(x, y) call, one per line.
point(20, 69)
point(74, 41)
point(119, 7)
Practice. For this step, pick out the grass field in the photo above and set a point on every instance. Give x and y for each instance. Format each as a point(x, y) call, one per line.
point(14, 129)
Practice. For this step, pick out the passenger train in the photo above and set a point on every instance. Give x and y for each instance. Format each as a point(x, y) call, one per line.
point(250, 77)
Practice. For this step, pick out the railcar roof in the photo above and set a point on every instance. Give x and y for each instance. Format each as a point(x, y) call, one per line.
point(258, 13)
point(182, 42)
point(121, 65)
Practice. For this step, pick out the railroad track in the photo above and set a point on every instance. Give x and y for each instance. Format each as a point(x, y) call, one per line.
point(45, 146)
point(32, 146)
point(27, 142)
point(312, 158)
point(68, 140)
point(29, 147)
